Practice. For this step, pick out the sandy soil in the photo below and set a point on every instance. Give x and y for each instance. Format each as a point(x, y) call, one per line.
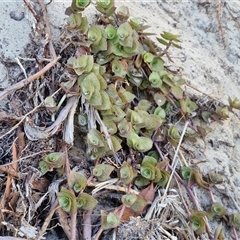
point(203, 61)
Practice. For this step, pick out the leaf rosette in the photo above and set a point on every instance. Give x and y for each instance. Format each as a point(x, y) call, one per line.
point(198, 222)
point(216, 210)
point(67, 200)
point(77, 181)
point(110, 220)
point(127, 173)
point(142, 144)
point(102, 171)
point(86, 201)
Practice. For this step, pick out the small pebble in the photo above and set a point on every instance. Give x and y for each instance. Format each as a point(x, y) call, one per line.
point(18, 16)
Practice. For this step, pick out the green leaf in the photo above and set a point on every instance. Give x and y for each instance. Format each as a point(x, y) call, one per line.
point(185, 172)
point(197, 221)
point(164, 178)
point(142, 144)
point(127, 173)
point(67, 200)
point(95, 138)
point(77, 181)
point(123, 13)
point(177, 92)
point(222, 112)
point(82, 120)
point(86, 201)
point(162, 41)
point(124, 33)
point(55, 160)
point(160, 112)
point(155, 80)
point(141, 181)
point(83, 64)
point(170, 36)
point(102, 171)
point(118, 68)
point(125, 128)
point(106, 104)
point(111, 32)
point(235, 103)
point(148, 171)
point(110, 220)
point(105, 6)
point(173, 135)
point(111, 126)
point(215, 178)
point(94, 34)
point(44, 168)
point(216, 210)
point(150, 160)
point(156, 64)
point(148, 57)
point(234, 220)
point(129, 199)
point(159, 99)
point(80, 5)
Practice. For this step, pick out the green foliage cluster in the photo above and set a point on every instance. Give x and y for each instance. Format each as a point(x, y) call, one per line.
point(121, 74)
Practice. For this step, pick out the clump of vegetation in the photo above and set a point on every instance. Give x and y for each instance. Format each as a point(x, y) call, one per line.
point(131, 105)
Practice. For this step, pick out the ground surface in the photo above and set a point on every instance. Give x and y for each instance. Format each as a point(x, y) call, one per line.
point(203, 61)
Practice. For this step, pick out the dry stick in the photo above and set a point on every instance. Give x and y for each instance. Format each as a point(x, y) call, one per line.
point(26, 81)
point(87, 228)
point(219, 15)
point(175, 159)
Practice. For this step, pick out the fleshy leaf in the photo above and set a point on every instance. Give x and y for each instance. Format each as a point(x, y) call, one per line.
point(86, 201)
point(234, 220)
point(149, 159)
point(102, 171)
point(159, 99)
point(44, 167)
point(177, 92)
point(198, 222)
point(127, 173)
point(125, 128)
point(185, 172)
point(170, 36)
point(105, 6)
point(55, 160)
point(155, 80)
point(215, 178)
point(111, 32)
point(83, 64)
point(142, 144)
point(156, 64)
point(164, 178)
point(129, 199)
point(222, 112)
point(141, 181)
point(148, 171)
point(94, 34)
point(110, 220)
point(173, 135)
point(67, 200)
point(123, 13)
point(139, 204)
point(235, 103)
point(118, 68)
point(95, 138)
point(77, 181)
point(216, 210)
point(50, 104)
point(111, 126)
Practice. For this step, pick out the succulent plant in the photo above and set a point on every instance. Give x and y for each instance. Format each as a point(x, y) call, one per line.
point(67, 200)
point(197, 221)
point(102, 171)
point(127, 173)
point(216, 210)
point(109, 220)
point(77, 181)
point(86, 201)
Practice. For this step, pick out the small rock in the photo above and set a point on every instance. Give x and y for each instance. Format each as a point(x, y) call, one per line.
point(18, 16)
